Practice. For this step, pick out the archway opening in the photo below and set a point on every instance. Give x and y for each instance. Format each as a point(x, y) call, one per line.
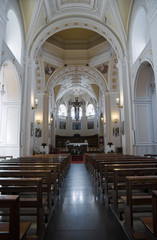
point(9, 111)
point(145, 113)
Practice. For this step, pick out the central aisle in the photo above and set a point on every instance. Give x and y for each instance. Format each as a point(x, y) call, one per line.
point(80, 213)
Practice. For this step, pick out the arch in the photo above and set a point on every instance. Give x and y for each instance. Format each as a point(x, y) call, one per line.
point(10, 106)
point(59, 25)
point(142, 79)
point(62, 110)
point(145, 107)
point(74, 22)
point(90, 110)
point(139, 33)
point(13, 35)
point(90, 72)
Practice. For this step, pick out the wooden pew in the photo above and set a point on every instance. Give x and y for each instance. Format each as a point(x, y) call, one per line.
point(150, 223)
point(61, 162)
point(137, 202)
point(46, 184)
point(51, 167)
point(119, 183)
point(106, 178)
point(97, 168)
point(30, 192)
point(13, 229)
point(54, 167)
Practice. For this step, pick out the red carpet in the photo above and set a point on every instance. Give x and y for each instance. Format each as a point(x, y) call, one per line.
point(77, 161)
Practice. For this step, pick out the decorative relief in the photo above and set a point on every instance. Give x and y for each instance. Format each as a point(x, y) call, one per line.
point(75, 1)
point(38, 74)
point(103, 68)
point(49, 68)
point(113, 80)
point(114, 87)
point(114, 73)
point(80, 23)
point(91, 73)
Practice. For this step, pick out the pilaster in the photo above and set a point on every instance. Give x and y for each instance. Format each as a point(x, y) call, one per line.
point(125, 102)
point(45, 117)
point(28, 113)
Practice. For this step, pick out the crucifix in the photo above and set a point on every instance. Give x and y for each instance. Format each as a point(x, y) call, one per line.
point(76, 105)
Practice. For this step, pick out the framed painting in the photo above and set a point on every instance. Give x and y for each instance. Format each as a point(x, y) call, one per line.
point(90, 125)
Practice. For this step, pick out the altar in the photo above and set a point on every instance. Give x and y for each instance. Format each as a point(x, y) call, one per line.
point(77, 148)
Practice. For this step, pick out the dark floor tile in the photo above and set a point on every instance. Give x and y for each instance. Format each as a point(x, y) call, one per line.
point(81, 213)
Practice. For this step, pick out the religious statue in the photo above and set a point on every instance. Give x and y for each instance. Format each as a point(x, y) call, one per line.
point(76, 105)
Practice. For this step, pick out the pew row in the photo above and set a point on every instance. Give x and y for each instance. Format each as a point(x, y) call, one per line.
point(138, 199)
point(119, 184)
point(12, 227)
point(31, 200)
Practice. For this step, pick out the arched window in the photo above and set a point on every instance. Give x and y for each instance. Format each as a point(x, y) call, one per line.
point(13, 35)
point(139, 34)
point(90, 110)
point(62, 111)
point(73, 113)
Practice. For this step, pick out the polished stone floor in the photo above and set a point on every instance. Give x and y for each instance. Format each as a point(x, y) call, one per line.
point(81, 213)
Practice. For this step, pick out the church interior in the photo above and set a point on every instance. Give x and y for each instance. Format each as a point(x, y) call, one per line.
point(78, 94)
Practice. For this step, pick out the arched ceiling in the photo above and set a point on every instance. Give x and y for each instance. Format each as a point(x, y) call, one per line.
point(75, 45)
point(77, 81)
point(28, 7)
point(76, 38)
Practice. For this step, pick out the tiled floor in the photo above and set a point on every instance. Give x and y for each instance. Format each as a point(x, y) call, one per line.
point(81, 214)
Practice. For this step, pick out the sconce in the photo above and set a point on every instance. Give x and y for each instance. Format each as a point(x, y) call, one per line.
point(36, 104)
point(101, 117)
point(38, 121)
point(51, 120)
point(118, 103)
point(2, 91)
point(115, 120)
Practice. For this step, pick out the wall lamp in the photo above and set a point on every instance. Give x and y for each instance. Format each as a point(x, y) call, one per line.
point(115, 120)
point(118, 103)
point(101, 117)
point(35, 104)
point(2, 91)
point(51, 120)
point(38, 121)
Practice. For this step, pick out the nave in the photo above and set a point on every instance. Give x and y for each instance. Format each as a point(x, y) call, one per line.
point(81, 212)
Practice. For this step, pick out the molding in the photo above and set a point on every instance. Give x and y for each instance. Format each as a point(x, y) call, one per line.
point(76, 23)
point(90, 72)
